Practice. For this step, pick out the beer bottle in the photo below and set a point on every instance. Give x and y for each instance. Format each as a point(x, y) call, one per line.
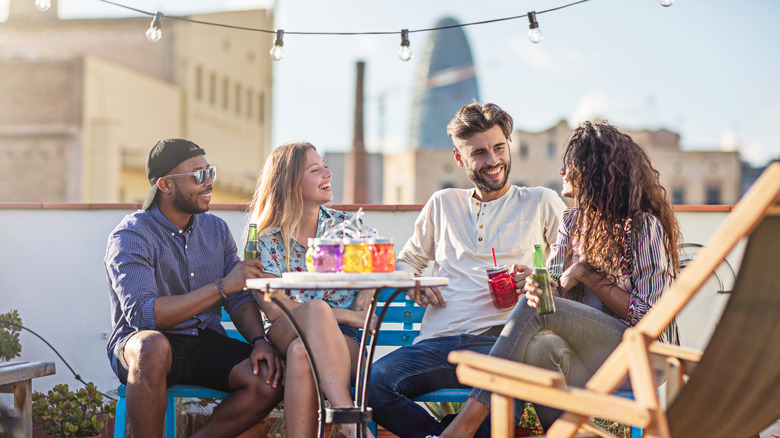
point(252, 248)
point(542, 276)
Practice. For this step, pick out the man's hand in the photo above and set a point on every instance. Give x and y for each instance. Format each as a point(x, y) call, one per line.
point(263, 351)
point(236, 279)
point(428, 295)
point(519, 273)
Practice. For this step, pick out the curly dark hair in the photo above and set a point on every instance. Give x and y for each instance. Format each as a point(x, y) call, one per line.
point(613, 181)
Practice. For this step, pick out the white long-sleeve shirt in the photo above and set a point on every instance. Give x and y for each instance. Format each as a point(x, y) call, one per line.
point(456, 232)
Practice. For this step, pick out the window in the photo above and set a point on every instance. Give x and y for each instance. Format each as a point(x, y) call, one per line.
point(523, 150)
point(249, 98)
point(213, 88)
point(261, 108)
point(550, 150)
point(678, 195)
point(713, 194)
point(225, 92)
point(238, 98)
point(198, 82)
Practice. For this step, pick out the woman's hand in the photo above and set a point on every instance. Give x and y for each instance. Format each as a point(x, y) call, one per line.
point(574, 275)
point(363, 299)
point(354, 318)
point(532, 291)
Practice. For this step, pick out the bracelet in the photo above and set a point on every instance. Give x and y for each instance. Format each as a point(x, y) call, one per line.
point(218, 282)
point(259, 337)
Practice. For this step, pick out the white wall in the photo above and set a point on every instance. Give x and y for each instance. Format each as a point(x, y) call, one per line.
point(51, 271)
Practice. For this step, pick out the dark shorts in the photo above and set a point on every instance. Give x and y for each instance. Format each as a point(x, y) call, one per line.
point(204, 360)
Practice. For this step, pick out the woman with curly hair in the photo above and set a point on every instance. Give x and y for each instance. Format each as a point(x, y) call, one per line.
point(615, 255)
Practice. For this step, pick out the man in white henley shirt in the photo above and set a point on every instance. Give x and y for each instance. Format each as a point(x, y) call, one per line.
point(456, 230)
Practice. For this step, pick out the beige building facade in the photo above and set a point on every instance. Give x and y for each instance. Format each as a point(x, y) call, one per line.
point(85, 100)
point(690, 177)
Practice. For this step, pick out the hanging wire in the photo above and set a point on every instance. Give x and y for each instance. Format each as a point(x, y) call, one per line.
point(75, 374)
point(395, 32)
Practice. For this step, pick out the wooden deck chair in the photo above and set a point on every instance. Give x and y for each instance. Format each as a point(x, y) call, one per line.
point(734, 387)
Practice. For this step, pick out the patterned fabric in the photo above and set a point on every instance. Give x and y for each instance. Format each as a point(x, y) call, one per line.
point(149, 257)
point(644, 269)
point(272, 256)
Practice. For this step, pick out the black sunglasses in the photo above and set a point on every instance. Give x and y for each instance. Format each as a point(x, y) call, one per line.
point(200, 175)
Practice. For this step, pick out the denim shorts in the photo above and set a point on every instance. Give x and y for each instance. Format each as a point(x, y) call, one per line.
point(206, 359)
point(350, 332)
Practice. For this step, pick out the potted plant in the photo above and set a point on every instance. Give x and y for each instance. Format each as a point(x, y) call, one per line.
point(65, 413)
point(10, 347)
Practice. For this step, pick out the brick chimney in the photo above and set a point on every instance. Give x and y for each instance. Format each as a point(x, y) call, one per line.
point(355, 178)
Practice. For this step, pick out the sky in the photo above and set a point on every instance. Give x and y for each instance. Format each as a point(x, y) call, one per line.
point(707, 69)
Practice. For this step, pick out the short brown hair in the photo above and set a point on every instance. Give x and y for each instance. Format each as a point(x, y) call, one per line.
point(474, 118)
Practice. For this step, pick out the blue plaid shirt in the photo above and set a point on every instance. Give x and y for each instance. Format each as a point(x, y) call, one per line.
point(148, 257)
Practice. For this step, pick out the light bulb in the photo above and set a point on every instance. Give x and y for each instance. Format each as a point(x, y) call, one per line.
point(666, 3)
point(42, 5)
point(277, 51)
point(154, 33)
point(405, 53)
point(534, 34)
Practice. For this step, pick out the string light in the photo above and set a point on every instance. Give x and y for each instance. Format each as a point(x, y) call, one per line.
point(277, 51)
point(534, 34)
point(666, 3)
point(154, 33)
point(405, 53)
point(43, 5)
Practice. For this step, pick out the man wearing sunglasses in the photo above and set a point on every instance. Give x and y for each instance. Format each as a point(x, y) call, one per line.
point(171, 268)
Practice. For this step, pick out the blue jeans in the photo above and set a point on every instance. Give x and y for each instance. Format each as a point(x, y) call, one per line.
point(412, 371)
point(574, 340)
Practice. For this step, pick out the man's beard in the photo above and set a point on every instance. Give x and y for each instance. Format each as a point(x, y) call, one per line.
point(484, 185)
point(184, 204)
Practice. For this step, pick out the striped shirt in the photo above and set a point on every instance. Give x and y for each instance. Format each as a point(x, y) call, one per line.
point(650, 275)
point(148, 257)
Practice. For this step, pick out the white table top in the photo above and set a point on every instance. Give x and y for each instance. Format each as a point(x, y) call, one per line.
point(344, 281)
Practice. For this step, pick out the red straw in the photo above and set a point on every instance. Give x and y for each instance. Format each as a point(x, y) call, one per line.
point(495, 263)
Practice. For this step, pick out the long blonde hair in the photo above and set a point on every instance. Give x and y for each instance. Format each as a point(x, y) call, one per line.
point(278, 198)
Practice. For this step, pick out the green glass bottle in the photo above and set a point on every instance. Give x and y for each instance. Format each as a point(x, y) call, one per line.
point(252, 248)
point(542, 276)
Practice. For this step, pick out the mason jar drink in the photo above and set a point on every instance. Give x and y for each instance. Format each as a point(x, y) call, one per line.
point(327, 255)
point(357, 256)
point(502, 287)
point(382, 255)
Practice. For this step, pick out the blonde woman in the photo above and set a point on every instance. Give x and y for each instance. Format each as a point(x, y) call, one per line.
point(288, 209)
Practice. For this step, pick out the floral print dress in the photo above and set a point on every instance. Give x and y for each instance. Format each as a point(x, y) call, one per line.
point(272, 256)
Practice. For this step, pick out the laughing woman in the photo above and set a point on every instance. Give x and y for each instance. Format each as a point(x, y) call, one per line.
point(288, 209)
point(615, 255)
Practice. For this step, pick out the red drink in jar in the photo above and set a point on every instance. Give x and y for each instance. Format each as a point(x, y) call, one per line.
point(502, 287)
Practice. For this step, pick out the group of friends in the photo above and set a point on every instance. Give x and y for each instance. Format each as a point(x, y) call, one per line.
point(172, 267)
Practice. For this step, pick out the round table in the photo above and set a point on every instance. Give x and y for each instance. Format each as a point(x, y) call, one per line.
point(401, 282)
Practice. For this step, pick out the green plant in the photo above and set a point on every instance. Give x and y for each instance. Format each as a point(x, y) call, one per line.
point(10, 347)
point(65, 413)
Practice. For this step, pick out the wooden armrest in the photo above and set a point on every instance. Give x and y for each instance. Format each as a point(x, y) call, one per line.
point(508, 368)
point(660, 353)
point(682, 353)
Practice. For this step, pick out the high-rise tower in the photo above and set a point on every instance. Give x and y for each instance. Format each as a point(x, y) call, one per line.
point(446, 81)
